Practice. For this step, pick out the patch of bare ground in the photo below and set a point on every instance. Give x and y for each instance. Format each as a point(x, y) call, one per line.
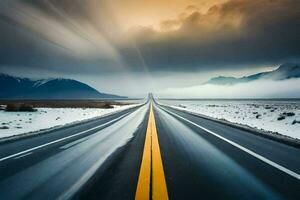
point(30, 105)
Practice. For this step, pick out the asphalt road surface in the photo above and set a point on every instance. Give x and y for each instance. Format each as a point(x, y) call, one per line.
point(149, 152)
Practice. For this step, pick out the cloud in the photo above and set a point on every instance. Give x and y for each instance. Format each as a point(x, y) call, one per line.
point(59, 35)
point(230, 35)
point(88, 36)
point(257, 89)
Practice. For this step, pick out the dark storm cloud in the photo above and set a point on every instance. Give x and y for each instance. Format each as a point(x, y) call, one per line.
point(21, 48)
point(239, 32)
point(76, 36)
point(64, 36)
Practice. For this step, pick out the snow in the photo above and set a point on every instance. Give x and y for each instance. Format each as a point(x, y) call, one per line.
point(259, 114)
point(15, 123)
point(42, 82)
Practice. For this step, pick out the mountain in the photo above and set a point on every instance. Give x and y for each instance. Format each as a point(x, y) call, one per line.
point(56, 88)
point(283, 72)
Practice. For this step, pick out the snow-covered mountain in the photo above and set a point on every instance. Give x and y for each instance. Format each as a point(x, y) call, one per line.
point(55, 88)
point(283, 72)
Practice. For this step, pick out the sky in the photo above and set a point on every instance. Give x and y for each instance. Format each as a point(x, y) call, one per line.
point(132, 47)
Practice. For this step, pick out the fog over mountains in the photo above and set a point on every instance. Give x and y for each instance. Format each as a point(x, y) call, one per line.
point(283, 72)
point(54, 88)
point(283, 82)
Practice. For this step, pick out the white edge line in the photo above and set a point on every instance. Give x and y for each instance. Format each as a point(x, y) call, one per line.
point(264, 159)
point(59, 140)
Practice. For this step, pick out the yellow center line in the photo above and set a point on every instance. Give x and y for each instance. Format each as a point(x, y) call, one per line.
point(151, 167)
point(159, 187)
point(143, 187)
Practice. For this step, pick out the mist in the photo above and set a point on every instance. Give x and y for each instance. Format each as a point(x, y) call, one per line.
point(256, 89)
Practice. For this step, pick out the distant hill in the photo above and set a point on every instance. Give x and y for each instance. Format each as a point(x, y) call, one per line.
point(283, 72)
point(56, 88)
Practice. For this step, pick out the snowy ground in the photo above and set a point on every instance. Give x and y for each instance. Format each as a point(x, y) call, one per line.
point(277, 116)
point(14, 123)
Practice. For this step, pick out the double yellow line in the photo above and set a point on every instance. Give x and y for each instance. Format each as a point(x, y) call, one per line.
point(151, 183)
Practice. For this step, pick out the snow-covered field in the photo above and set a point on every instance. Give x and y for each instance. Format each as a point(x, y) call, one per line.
point(14, 123)
point(276, 116)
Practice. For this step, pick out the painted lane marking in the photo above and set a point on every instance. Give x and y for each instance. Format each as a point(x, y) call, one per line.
point(159, 187)
point(151, 182)
point(143, 187)
point(262, 158)
point(26, 154)
point(59, 140)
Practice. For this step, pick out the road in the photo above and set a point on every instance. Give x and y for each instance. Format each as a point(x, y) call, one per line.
point(151, 151)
